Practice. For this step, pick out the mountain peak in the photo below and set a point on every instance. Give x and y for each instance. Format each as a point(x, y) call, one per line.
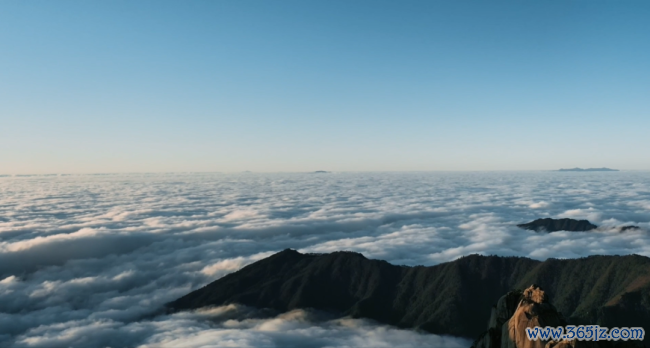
point(440, 299)
point(554, 225)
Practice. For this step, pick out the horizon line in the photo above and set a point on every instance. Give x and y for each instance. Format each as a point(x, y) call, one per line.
point(5, 175)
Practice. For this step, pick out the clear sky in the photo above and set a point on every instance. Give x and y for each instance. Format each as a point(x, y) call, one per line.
point(149, 86)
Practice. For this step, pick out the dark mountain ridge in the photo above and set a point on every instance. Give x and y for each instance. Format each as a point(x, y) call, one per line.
point(571, 225)
point(554, 225)
point(453, 298)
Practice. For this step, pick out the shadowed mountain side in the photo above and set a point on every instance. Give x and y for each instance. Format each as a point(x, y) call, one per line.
point(453, 298)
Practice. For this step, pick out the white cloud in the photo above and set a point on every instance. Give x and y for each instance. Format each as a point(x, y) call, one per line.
point(590, 214)
point(538, 205)
point(62, 237)
point(226, 266)
point(240, 214)
point(293, 329)
point(89, 260)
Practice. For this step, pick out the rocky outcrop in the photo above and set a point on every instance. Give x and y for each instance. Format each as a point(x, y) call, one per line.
point(503, 310)
point(533, 310)
point(554, 225)
point(507, 326)
point(513, 313)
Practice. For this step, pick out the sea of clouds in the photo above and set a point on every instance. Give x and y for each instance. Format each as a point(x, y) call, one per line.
point(89, 260)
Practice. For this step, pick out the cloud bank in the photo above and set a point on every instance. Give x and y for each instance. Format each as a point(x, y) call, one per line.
point(90, 260)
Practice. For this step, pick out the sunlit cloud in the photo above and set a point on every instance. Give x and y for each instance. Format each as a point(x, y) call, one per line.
point(90, 261)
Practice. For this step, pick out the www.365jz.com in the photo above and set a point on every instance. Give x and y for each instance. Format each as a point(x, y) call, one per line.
point(585, 333)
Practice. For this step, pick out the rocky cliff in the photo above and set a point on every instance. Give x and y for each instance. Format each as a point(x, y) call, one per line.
point(517, 310)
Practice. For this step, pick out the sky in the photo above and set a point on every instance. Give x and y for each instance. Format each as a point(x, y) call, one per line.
point(283, 86)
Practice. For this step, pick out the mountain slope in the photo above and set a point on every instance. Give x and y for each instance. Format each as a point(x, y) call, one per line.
point(452, 298)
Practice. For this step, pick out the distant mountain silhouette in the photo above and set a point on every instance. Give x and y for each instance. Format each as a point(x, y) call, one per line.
point(453, 298)
point(554, 225)
point(588, 170)
point(320, 172)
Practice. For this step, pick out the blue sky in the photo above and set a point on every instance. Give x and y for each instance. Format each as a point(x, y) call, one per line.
point(118, 86)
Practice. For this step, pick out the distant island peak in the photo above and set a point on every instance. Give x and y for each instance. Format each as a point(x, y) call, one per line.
point(603, 169)
point(554, 225)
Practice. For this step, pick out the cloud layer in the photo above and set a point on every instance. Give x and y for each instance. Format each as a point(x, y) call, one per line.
point(89, 260)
